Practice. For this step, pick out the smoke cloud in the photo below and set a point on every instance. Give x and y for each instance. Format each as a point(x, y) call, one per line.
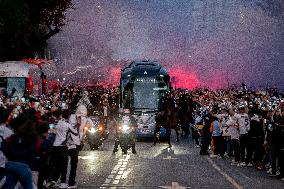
point(203, 43)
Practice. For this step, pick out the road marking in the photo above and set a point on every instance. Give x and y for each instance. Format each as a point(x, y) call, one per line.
point(169, 158)
point(108, 180)
point(117, 173)
point(116, 167)
point(175, 185)
point(227, 177)
point(117, 177)
point(115, 182)
point(110, 176)
point(125, 174)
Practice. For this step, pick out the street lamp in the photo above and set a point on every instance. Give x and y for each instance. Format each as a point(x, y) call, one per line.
point(43, 81)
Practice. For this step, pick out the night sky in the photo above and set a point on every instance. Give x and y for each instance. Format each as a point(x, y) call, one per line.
point(212, 43)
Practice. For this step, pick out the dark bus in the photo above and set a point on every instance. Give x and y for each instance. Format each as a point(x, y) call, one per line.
point(142, 85)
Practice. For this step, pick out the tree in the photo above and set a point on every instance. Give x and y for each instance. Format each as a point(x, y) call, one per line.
point(26, 25)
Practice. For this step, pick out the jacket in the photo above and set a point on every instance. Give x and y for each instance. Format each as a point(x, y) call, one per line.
point(16, 149)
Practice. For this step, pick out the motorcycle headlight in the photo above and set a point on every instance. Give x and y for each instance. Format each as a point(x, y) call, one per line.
point(92, 130)
point(125, 127)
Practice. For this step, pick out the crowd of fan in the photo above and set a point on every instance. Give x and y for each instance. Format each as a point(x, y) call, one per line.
point(247, 126)
point(37, 134)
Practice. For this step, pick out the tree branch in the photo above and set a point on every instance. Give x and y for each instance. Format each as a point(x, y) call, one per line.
point(51, 32)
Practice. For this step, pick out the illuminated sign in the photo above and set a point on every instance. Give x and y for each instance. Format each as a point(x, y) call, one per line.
point(146, 80)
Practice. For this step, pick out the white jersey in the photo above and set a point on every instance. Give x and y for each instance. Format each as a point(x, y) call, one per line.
point(232, 130)
point(62, 129)
point(223, 118)
point(244, 122)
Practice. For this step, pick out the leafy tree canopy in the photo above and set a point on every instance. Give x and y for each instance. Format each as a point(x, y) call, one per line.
point(26, 25)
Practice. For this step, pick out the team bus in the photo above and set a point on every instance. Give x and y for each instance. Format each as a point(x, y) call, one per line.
point(142, 85)
point(22, 77)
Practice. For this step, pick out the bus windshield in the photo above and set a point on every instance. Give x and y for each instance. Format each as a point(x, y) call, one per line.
point(147, 93)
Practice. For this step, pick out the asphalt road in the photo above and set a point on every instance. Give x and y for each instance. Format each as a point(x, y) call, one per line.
point(158, 166)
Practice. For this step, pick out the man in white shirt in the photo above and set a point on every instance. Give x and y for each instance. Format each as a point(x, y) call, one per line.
point(73, 144)
point(226, 139)
point(79, 121)
point(233, 130)
point(60, 151)
point(244, 127)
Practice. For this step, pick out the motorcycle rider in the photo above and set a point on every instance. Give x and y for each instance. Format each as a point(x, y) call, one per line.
point(100, 133)
point(99, 118)
point(105, 108)
point(125, 117)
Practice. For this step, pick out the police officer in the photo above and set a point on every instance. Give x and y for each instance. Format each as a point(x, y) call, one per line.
point(126, 117)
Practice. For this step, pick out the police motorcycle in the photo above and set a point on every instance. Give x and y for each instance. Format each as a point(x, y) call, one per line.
point(97, 133)
point(126, 133)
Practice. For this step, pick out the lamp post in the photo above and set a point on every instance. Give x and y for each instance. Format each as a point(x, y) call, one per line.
point(43, 81)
